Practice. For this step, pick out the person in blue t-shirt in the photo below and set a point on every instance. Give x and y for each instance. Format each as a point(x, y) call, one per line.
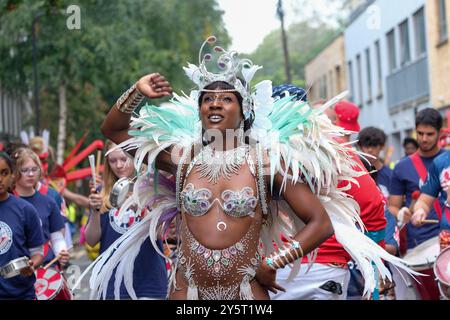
point(20, 235)
point(44, 151)
point(27, 174)
point(409, 175)
point(436, 186)
point(410, 146)
point(372, 141)
point(150, 273)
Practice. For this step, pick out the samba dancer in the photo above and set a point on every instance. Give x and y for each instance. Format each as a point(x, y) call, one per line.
point(225, 182)
point(20, 236)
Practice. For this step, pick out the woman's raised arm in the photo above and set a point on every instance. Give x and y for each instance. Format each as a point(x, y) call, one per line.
point(116, 124)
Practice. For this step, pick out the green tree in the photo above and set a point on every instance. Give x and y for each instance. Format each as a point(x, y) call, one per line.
point(304, 42)
point(86, 70)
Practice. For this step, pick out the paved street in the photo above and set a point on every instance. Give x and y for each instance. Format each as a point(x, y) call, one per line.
point(78, 264)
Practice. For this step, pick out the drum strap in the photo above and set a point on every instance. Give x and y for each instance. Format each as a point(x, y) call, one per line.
point(46, 246)
point(423, 173)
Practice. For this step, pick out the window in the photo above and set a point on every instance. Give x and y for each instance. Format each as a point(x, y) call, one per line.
point(392, 53)
point(312, 91)
point(350, 79)
point(331, 86)
point(338, 80)
point(323, 87)
point(359, 72)
point(405, 54)
point(443, 32)
point(379, 70)
point(368, 76)
point(420, 33)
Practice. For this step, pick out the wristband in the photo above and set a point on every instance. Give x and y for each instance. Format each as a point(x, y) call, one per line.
point(129, 100)
point(288, 254)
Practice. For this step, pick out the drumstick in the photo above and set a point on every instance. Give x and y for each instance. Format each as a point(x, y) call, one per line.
point(51, 262)
point(414, 197)
point(430, 221)
point(99, 160)
point(92, 163)
point(55, 259)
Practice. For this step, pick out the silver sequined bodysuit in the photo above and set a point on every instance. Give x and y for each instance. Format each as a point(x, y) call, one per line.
point(222, 274)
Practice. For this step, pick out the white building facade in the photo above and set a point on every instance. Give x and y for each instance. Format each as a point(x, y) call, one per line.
point(387, 66)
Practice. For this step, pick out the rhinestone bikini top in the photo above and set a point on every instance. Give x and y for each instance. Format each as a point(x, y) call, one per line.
point(196, 202)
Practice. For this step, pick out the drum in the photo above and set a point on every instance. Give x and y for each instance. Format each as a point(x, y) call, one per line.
point(120, 191)
point(423, 256)
point(12, 268)
point(51, 285)
point(442, 272)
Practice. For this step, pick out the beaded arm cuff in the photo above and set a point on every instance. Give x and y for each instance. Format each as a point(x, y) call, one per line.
point(129, 100)
point(288, 254)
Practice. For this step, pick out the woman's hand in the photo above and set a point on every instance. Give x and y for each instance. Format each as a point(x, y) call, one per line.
point(95, 200)
point(266, 276)
point(154, 86)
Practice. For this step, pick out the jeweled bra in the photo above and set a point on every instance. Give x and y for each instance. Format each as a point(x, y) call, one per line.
point(196, 202)
point(257, 170)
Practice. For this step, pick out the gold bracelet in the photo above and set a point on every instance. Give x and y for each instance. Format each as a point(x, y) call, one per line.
point(129, 100)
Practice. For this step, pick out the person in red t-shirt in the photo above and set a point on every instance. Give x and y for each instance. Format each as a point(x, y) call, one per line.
point(329, 276)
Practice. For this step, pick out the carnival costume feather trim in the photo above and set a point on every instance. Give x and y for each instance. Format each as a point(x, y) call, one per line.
point(299, 143)
point(161, 210)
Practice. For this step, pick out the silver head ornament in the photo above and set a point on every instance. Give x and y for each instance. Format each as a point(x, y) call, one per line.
point(231, 68)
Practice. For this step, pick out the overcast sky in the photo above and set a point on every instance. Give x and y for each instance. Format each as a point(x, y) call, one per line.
point(249, 21)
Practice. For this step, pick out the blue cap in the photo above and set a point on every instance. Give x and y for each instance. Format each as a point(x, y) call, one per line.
point(280, 92)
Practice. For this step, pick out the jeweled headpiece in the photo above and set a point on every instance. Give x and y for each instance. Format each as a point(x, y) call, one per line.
point(230, 66)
